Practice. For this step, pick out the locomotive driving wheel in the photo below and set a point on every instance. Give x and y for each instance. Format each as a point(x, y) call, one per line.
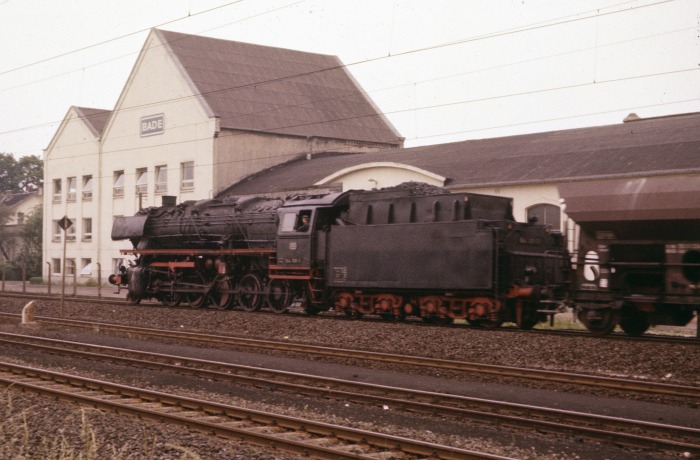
point(194, 298)
point(222, 295)
point(250, 292)
point(279, 295)
point(171, 299)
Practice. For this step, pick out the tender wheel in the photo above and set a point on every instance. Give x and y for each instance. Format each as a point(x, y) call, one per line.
point(195, 299)
point(250, 292)
point(278, 295)
point(599, 321)
point(222, 295)
point(634, 323)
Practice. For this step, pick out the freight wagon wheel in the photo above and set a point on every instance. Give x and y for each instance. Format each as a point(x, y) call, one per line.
point(250, 292)
point(634, 323)
point(599, 321)
point(222, 295)
point(279, 295)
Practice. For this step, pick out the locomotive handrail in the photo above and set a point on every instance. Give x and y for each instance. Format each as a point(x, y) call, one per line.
point(197, 252)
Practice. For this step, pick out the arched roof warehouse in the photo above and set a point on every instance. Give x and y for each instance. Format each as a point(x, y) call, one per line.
point(635, 148)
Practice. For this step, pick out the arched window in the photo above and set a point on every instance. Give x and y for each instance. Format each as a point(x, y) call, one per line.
point(547, 214)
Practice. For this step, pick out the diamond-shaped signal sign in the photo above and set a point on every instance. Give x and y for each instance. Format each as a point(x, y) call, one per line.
point(65, 223)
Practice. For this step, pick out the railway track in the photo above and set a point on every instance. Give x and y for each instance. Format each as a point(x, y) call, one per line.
point(623, 384)
point(637, 434)
point(306, 437)
point(681, 340)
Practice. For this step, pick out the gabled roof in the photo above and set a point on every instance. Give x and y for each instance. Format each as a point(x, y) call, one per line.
point(261, 88)
point(13, 199)
point(95, 119)
point(644, 147)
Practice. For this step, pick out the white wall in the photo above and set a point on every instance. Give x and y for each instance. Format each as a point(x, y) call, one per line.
point(156, 87)
point(74, 152)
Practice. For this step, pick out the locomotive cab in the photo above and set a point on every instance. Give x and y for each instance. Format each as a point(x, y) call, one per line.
point(305, 221)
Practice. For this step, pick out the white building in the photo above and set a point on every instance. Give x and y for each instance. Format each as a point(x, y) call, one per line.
point(196, 115)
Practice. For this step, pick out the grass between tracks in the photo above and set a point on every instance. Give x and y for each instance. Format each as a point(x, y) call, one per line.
point(29, 431)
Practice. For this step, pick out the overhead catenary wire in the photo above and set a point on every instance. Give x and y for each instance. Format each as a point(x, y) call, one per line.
point(541, 24)
point(294, 155)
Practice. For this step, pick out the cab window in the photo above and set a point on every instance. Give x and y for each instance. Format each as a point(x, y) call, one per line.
point(296, 221)
point(289, 221)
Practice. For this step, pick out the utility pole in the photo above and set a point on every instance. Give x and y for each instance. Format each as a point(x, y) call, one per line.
point(65, 224)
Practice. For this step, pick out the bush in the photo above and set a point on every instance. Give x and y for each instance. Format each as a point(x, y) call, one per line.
point(36, 280)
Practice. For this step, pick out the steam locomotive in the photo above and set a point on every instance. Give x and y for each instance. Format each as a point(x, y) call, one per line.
point(417, 251)
point(407, 251)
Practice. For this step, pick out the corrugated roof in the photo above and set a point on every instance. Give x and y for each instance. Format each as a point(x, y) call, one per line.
point(261, 88)
point(96, 119)
point(645, 147)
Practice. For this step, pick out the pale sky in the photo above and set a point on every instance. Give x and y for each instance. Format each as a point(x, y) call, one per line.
point(441, 70)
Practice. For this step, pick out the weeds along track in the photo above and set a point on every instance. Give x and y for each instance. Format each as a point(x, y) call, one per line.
point(632, 433)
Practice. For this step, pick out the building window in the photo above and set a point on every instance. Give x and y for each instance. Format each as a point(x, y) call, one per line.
point(85, 267)
point(141, 181)
point(546, 214)
point(56, 266)
point(161, 179)
point(118, 183)
point(87, 188)
point(87, 229)
point(56, 234)
point(57, 190)
point(70, 266)
point(70, 233)
point(72, 189)
point(187, 175)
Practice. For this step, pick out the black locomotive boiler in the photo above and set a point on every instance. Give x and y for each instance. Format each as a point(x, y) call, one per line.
point(405, 251)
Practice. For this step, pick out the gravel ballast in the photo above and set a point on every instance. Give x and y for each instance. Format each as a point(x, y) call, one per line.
point(659, 362)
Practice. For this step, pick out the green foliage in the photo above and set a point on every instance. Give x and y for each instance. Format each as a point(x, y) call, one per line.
point(30, 233)
point(24, 175)
point(5, 238)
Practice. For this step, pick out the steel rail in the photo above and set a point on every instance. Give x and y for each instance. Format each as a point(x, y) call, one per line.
point(307, 437)
point(618, 430)
point(462, 366)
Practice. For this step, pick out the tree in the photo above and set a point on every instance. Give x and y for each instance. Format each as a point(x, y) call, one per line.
point(25, 175)
point(30, 233)
point(8, 173)
point(5, 237)
point(30, 173)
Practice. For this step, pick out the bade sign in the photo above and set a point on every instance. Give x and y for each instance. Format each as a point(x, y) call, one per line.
point(152, 125)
